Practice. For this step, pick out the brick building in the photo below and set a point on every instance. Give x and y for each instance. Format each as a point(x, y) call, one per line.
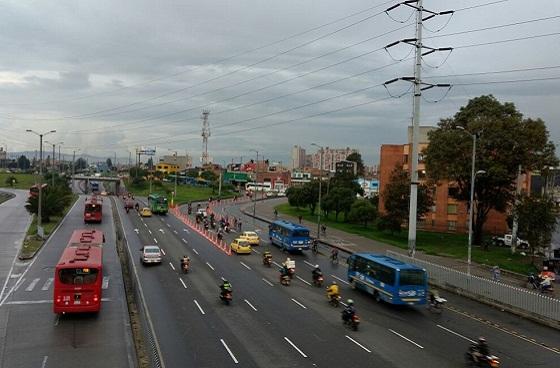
point(447, 214)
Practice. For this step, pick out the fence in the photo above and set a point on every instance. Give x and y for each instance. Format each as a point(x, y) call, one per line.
point(516, 299)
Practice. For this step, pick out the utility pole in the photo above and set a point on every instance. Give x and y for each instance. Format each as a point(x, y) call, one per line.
point(320, 188)
point(256, 186)
point(515, 219)
point(419, 86)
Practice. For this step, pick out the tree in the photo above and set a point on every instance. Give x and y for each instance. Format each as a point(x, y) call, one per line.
point(339, 200)
point(536, 219)
point(80, 164)
point(295, 197)
point(362, 211)
point(396, 197)
point(505, 141)
point(23, 162)
point(53, 201)
point(109, 163)
point(209, 175)
point(150, 163)
point(357, 158)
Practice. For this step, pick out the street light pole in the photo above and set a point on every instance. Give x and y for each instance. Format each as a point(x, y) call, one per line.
point(256, 186)
point(320, 188)
point(471, 204)
point(39, 205)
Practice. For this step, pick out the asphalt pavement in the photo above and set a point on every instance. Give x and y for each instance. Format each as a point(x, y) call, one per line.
point(33, 336)
point(270, 325)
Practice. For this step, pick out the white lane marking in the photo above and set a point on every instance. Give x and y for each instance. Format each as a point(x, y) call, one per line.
point(136, 231)
point(295, 347)
point(175, 231)
point(276, 264)
point(309, 264)
point(32, 285)
point(184, 240)
point(209, 265)
point(344, 304)
point(244, 265)
point(182, 282)
point(187, 231)
point(199, 307)
point(357, 343)
point(341, 280)
point(268, 282)
point(171, 265)
point(301, 279)
point(256, 251)
point(18, 284)
point(45, 301)
point(251, 305)
point(194, 250)
point(44, 364)
point(162, 251)
point(456, 334)
point(298, 303)
point(145, 224)
point(47, 284)
point(169, 226)
point(406, 338)
point(229, 351)
point(155, 240)
point(150, 231)
point(105, 283)
point(161, 231)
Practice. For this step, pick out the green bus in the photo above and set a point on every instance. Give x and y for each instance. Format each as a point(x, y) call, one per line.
point(158, 203)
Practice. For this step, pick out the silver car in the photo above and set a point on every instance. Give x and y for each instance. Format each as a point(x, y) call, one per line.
point(150, 254)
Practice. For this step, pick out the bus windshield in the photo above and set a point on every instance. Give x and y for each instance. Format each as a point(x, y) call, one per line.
point(412, 277)
point(78, 276)
point(93, 208)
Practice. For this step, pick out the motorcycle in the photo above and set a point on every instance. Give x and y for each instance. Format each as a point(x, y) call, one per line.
point(285, 280)
point(127, 209)
point(489, 361)
point(352, 322)
point(267, 261)
point(185, 266)
point(436, 305)
point(220, 236)
point(226, 297)
point(334, 300)
point(535, 282)
point(318, 280)
point(226, 229)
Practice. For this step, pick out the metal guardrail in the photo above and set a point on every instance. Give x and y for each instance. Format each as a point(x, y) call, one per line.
point(515, 298)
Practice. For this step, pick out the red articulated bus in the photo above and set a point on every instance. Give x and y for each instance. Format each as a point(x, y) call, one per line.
point(78, 274)
point(93, 209)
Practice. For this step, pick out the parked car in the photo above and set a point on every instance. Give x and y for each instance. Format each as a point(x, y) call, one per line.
point(150, 254)
point(240, 246)
point(507, 239)
point(145, 212)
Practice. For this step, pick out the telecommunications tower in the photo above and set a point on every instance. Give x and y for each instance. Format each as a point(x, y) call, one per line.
point(205, 134)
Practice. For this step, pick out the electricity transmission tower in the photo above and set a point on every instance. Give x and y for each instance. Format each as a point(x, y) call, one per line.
point(205, 135)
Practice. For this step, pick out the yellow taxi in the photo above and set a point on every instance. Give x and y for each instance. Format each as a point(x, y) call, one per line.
point(250, 237)
point(240, 246)
point(145, 212)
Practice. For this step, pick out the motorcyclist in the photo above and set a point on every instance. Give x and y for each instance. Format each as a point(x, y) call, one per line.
point(136, 206)
point(348, 311)
point(334, 255)
point(220, 234)
point(316, 273)
point(480, 350)
point(545, 284)
point(185, 261)
point(332, 291)
point(225, 288)
point(284, 271)
point(290, 264)
point(267, 256)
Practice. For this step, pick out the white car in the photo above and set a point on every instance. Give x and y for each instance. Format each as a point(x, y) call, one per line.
point(150, 254)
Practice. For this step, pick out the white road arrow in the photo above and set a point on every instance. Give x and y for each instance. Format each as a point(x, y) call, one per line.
point(161, 231)
point(136, 231)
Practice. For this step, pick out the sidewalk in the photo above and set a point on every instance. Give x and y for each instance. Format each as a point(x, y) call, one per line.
point(352, 243)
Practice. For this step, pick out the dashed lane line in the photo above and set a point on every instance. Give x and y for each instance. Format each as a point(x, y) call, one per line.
point(32, 285)
point(250, 305)
point(162, 251)
point(295, 347)
point(268, 282)
point(175, 231)
point(199, 307)
point(194, 250)
point(184, 240)
point(256, 251)
point(229, 352)
point(357, 343)
point(298, 303)
point(244, 265)
point(303, 280)
point(155, 240)
point(47, 284)
point(105, 283)
point(456, 334)
point(406, 338)
point(182, 282)
point(341, 280)
point(209, 265)
point(309, 264)
point(171, 265)
point(150, 231)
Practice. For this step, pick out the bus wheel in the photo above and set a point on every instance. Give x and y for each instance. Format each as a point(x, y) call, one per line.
point(377, 296)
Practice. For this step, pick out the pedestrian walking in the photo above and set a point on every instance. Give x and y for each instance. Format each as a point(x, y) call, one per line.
point(239, 225)
point(300, 217)
point(275, 213)
point(496, 273)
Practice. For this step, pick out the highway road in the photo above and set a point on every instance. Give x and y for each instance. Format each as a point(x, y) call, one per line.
point(33, 336)
point(269, 325)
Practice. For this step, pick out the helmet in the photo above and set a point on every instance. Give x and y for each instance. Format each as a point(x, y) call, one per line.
point(482, 340)
point(316, 266)
point(333, 283)
point(350, 301)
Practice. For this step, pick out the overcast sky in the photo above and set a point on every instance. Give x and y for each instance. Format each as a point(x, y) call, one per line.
point(112, 75)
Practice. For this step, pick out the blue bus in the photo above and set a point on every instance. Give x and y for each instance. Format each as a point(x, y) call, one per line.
point(388, 279)
point(94, 186)
point(289, 236)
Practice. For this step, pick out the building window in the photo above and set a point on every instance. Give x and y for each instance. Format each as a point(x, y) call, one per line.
point(451, 209)
point(452, 192)
point(451, 225)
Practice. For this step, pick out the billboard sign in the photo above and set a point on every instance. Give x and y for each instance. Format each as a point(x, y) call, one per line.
point(147, 151)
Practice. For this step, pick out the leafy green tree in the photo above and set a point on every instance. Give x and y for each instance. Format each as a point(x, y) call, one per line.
point(109, 163)
point(23, 162)
point(537, 218)
point(53, 201)
point(356, 157)
point(362, 211)
point(295, 197)
point(339, 200)
point(396, 198)
point(505, 141)
point(209, 175)
point(80, 164)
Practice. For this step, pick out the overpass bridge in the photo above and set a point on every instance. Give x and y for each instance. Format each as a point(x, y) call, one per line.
point(103, 179)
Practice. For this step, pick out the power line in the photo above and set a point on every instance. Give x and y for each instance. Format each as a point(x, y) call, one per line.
point(508, 40)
